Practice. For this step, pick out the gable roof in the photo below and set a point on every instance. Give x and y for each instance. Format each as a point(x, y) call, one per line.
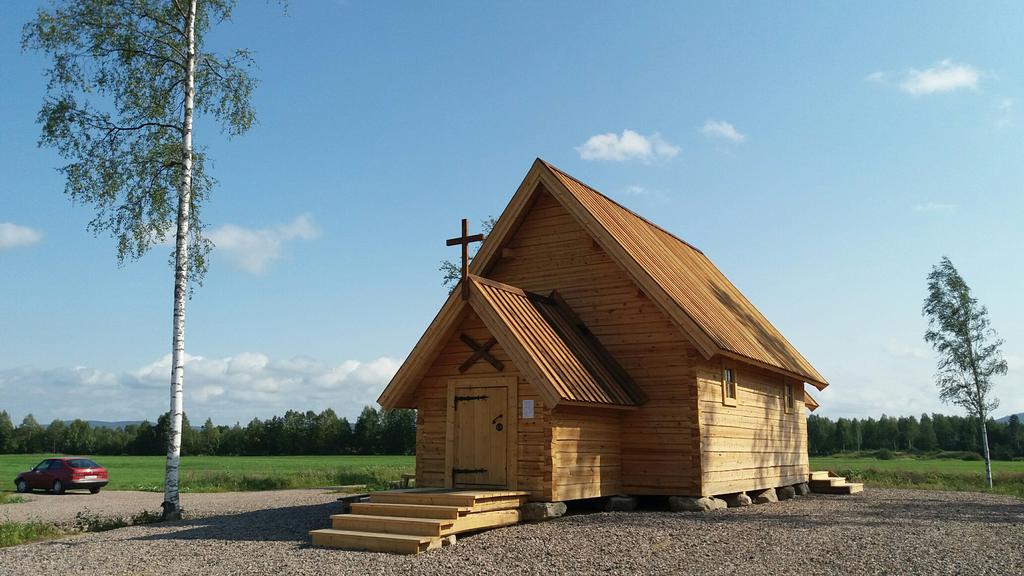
point(680, 278)
point(549, 346)
point(716, 317)
point(543, 337)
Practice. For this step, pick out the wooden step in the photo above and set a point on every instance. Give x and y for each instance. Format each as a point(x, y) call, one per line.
point(478, 500)
point(831, 481)
point(484, 521)
point(410, 510)
point(819, 475)
point(374, 542)
point(846, 488)
point(391, 524)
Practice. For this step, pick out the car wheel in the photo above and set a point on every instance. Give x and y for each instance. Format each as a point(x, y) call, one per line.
point(58, 487)
point(94, 490)
point(22, 486)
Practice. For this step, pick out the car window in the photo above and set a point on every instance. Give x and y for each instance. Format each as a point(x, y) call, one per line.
point(55, 465)
point(42, 465)
point(82, 463)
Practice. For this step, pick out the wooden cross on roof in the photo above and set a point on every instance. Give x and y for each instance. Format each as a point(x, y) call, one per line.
point(465, 240)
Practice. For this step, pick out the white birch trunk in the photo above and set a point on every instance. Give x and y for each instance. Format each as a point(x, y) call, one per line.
point(172, 502)
point(988, 457)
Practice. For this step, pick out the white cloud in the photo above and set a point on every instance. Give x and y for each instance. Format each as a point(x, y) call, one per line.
point(230, 389)
point(877, 77)
point(722, 130)
point(14, 236)
point(253, 249)
point(935, 207)
point(627, 146)
point(946, 76)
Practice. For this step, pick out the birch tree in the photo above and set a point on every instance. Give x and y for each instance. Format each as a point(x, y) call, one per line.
point(125, 81)
point(968, 348)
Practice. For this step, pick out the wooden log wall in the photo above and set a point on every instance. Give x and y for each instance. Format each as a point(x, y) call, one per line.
point(586, 452)
point(756, 443)
point(658, 449)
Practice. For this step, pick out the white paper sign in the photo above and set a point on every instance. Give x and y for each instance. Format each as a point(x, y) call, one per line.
point(527, 408)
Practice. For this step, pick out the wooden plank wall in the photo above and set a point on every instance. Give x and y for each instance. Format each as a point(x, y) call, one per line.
point(754, 444)
point(534, 469)
point(659, 448)
point(586, 452)
point(661, 453)
point(534, 445)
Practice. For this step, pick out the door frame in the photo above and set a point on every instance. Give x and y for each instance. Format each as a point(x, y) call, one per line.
point(511, 385)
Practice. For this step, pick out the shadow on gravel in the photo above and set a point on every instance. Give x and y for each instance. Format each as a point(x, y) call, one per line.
point(862, 512)
point(272, 525)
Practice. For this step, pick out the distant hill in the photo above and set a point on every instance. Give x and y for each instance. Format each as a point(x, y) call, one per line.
point(104, 424)
point(1005, 419)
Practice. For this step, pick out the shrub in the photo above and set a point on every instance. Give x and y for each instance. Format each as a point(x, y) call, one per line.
point(959, 455)
point(86, 521)
point(14, 533)
point(884, 454)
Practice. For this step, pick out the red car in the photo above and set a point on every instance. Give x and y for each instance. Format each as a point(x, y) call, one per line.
point(60, 474)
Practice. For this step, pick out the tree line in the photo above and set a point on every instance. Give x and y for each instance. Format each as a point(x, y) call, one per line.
point(936, 432)
point(295, 433)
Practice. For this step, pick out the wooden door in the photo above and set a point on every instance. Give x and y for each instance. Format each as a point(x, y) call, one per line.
point(481, 435)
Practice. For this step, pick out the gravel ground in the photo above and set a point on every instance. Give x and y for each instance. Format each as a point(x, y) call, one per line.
point(61, 509)
point(878, 532)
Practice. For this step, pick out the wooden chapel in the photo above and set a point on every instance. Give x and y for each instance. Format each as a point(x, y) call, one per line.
point(588, 352)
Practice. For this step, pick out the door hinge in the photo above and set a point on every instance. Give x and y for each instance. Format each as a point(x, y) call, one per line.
point(468, 399)
point(468, 471)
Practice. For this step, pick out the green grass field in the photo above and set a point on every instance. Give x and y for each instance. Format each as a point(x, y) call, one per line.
point(943, 466)
point(926, 473)
point(229, 473)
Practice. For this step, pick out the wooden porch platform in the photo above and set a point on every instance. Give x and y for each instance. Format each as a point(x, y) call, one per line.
point(419, 519)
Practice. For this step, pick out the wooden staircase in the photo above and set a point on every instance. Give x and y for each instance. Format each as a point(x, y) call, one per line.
point(417, 520)
point(825, 482)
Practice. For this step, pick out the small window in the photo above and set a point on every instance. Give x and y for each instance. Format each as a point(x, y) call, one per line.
point(729, 392)
point(790, 397)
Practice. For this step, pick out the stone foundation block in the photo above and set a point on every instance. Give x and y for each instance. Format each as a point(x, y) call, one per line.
point(738, 500)
point(802, 489)
point(764, 496)
point(785, 492)
point(690, 504)
point(538, 511)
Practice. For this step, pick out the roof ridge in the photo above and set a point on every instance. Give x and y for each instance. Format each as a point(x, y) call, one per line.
point(616, 203)
point(499, 285)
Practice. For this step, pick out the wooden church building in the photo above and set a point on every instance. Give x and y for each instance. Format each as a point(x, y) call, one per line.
point(588, 352)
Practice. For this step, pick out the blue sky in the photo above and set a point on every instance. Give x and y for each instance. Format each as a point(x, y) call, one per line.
point(824, 156)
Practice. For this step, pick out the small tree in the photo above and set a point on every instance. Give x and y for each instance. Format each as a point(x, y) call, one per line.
point(968, 348)
point(6, 433)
